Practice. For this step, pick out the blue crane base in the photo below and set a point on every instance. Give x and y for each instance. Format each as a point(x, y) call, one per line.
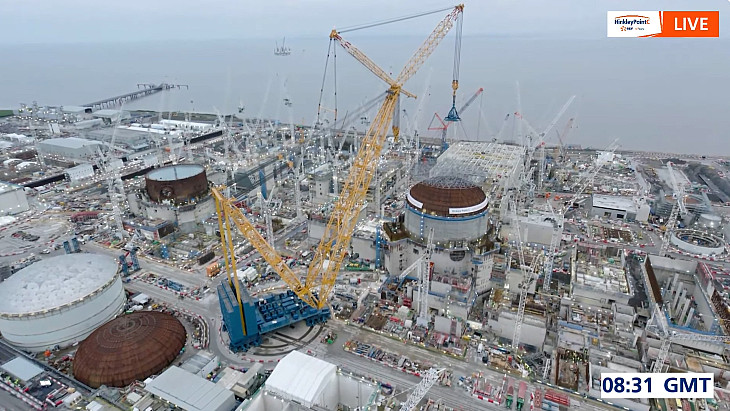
point(263, 315)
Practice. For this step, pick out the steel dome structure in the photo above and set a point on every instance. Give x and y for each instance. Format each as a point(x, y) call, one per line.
point(454, 207)
point(447, 196)
point(129, 348)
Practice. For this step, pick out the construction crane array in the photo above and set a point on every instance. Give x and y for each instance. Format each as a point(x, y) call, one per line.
point(559, 216)
point(553, 249)
point(111, 166)
point(333, 246)
point(561, 136)
point(536, 140)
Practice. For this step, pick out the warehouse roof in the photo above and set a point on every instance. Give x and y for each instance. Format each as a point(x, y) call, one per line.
point(21, 368)
point(6, 186)
point(189, 391)
point(70, 142)
point(301, 378)
point(621, 203)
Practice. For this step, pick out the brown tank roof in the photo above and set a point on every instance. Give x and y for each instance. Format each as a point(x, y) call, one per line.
point(438, 194)
point(128, 348)
point(178, 183)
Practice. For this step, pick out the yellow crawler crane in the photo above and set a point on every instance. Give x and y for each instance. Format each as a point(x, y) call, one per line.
point(335, 241)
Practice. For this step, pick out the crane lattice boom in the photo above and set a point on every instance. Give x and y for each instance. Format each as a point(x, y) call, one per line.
point(333, 246)
point(420, 391)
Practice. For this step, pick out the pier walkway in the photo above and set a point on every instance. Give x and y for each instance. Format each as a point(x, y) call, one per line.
point(143, 91)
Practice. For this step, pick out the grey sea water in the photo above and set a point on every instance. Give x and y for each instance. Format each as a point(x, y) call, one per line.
point(652, 94)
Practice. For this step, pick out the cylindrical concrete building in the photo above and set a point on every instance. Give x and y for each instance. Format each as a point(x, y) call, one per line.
point(455, 208)
point(178, 183)
point(59, 300)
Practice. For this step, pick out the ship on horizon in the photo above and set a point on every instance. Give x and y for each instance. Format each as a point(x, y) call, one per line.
point(283, 50)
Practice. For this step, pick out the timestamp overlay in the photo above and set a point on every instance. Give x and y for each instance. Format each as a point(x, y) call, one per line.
point(657, 385)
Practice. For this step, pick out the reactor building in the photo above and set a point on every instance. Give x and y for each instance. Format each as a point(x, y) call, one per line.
point(179, 193)
point(457, 211)
point(59, 301)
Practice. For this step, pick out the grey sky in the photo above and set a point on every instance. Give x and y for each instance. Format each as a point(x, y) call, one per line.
point(68, 21)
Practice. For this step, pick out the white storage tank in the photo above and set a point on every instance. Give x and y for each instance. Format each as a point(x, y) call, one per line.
point(59, 300)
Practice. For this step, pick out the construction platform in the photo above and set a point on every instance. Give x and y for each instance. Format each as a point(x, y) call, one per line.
point(263, 315)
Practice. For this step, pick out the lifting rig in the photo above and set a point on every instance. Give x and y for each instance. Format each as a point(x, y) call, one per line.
point(445, 123)
point(325, 265)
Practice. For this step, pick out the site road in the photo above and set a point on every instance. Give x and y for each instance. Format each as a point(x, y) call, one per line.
point(208, 308)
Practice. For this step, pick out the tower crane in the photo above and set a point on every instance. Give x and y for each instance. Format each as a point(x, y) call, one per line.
point(422, 266)
point(425, 283)
point(660, 326)
point(528, 277)
point(678, 209)
point(445, 123)
point(328, 257)
point(561, 136)
point(297, 165)
point(110, 165)
point(413, 145)
point(228, 144)
point(351, 117)
point(537, 140)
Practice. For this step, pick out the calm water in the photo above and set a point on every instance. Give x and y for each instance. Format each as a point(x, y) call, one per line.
point(653, 94)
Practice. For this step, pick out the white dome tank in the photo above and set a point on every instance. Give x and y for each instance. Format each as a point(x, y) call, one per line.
point(59, 300)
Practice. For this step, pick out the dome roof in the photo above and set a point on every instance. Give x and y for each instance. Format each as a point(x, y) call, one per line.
point(129, 348)
point(448, 196)
point(56, 281)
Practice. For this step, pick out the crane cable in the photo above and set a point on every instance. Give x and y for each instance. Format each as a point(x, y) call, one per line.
point(324, 77)
point(334, 69)
point(457, 53)
point(394, 20)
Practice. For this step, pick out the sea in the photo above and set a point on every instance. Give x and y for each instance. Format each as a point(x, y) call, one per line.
point(663, 95)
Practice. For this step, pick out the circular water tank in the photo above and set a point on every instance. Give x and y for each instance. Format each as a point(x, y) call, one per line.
point(59, 300)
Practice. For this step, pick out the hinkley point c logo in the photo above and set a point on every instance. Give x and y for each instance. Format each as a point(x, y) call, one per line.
point(631, 22)
point(696, 23)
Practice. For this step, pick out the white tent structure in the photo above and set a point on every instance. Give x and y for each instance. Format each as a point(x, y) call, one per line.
point(301, 382)
point(302, 378)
